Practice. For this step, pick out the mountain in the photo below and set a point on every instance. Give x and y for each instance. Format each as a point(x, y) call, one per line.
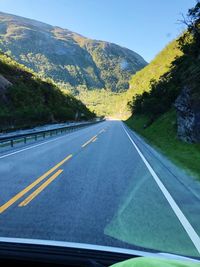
point(68, 57)
point(166, 98)
point(138, 83)
point(160, 65)
point(26, 100)
point(175, 84)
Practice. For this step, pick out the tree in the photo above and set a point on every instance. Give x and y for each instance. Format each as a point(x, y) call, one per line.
point(190, 40)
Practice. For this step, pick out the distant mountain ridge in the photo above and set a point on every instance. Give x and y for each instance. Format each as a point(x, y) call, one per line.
point(68, 57)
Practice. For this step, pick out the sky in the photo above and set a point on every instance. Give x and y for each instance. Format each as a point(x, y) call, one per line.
point(144, 26)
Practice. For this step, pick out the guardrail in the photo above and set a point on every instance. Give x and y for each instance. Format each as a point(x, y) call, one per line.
point(11, 140)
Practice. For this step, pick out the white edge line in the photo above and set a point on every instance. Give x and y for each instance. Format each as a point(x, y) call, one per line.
point(27, 148)
point(183, 220)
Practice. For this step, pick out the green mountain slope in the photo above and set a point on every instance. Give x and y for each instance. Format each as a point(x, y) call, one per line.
point(161, 64)
point(111, 104)
point(26, 100)
point(68, 57)
point(167, 110)
point(141, 81)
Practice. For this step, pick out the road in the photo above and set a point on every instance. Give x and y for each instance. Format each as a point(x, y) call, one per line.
point(100, 185)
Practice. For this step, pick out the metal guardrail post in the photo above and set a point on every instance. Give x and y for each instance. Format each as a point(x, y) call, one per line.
point(43, 133)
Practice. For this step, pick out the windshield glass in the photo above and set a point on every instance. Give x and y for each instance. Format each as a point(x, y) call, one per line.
point(100, 123)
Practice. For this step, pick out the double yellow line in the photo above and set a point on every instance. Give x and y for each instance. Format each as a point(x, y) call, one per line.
point(93, 139)
point(32, 185)
point(42, 187)
point(103, 130)
point(40, 179)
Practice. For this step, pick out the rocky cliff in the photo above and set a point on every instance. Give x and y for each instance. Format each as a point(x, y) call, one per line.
point(188, 116)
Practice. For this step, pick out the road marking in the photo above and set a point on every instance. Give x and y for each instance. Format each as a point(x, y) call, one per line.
point(27, 148)
point(94, 140)
point(103, 130)
point(40, 189)
point(183, 220)
point(89, 141)
point(30, 147)
point(32, 185)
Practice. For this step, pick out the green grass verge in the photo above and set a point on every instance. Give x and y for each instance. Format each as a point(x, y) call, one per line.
point(162, 134)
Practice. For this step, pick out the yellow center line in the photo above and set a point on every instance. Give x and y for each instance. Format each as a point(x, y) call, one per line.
point(103, 130)
point(39, 189)
point(28, 188)
point(89, 141)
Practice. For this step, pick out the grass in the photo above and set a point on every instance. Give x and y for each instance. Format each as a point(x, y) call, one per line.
point(162, 134)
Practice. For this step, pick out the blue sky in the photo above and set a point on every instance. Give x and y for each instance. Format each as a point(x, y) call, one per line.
point(145, 26)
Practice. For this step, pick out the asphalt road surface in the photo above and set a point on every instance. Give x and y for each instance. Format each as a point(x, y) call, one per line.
point(100, 185)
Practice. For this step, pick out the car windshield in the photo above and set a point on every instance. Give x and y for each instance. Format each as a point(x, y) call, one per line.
point(100, 123)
